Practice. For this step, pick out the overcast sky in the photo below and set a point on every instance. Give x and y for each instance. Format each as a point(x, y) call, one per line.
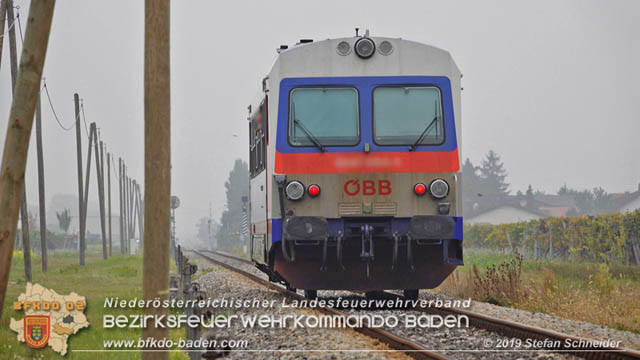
point(552, 86)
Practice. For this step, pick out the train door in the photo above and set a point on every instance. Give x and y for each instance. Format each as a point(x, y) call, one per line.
point(258, 182)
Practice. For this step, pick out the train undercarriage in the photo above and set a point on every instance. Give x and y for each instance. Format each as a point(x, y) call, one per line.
point(365, 254)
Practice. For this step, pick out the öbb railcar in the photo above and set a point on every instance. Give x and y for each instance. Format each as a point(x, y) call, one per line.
point(355, 166)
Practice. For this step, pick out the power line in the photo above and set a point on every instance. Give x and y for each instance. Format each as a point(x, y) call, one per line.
point(55, 115)
point(46, 89)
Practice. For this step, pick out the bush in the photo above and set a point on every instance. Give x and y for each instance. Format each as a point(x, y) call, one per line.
point(500, 284)
point(549, 282)
point(602, 280)
point(17, 259)
point(604, 239)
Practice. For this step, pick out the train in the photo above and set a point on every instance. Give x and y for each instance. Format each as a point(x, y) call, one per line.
point(354, 166)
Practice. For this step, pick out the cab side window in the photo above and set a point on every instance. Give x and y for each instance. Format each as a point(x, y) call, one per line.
point(257, 141)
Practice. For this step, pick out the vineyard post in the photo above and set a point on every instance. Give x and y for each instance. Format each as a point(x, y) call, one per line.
point(16, 144)
point(535, 243)
point(636, 251)
point(550, 240)
point(564, 230)
point(157, 169)
point(524, 242)
point(81, 233)
point(41, 193)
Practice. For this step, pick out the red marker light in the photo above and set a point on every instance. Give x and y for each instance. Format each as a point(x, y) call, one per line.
point(313, 190)
point(420, 189)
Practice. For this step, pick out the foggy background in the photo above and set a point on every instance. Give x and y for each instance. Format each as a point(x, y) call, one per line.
point(548, 85)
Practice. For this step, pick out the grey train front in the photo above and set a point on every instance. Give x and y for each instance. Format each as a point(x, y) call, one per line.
point(355, 166)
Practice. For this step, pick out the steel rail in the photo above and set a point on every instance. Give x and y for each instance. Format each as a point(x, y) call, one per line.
point(410, 348)
point(517, 330)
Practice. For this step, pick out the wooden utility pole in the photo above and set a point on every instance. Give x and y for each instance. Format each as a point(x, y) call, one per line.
point(41, 193)
point(121, 207)
point(104, 201)
point(134, 218)
point(16, 145)
point(157, 168)
point(132, 231)
point(99, 169)
point(24, 213)
point(81, 224)
point(124, 207)
point(140, 214)
point(3, 16)
point(109, 199)
point(83, 245)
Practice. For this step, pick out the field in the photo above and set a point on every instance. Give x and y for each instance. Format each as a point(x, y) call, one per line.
point(119, 276)
point(594, 292)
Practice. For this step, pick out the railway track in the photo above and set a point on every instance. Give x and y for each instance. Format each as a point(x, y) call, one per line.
point(411, 348)
point(502, 327)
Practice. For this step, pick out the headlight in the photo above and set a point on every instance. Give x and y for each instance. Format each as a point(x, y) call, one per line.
point(344, 48)
point(439, 188)
point(385, 48)
point(294, 190)
point(365, 48)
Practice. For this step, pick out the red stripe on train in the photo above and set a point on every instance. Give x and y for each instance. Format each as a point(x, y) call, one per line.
point(352, 163)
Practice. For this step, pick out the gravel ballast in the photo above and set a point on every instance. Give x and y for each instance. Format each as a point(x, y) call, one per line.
point(456, 343)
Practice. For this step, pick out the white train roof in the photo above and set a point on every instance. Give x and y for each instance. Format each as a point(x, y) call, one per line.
point(321, 58)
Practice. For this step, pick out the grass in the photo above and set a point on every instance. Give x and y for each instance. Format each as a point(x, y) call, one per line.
point(119, 276)
point(598, 293)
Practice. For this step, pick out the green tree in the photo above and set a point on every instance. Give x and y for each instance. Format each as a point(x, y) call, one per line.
point(601, 201)
point(64, 220)
point(236, 187)
point(493, 176)
point(589, 202)
point(529, 192)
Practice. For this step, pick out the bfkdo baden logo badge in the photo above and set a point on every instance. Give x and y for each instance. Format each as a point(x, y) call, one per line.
point(36, 330)
point(49, 318)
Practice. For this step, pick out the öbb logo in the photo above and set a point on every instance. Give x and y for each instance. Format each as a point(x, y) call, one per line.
point(367, 188)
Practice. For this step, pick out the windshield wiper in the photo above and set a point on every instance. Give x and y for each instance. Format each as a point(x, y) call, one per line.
point(309, 135)
point(305, 130)
point(413, 147)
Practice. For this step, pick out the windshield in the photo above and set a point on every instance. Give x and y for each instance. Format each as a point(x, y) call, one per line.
point(401, 115)
point(323, 117)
